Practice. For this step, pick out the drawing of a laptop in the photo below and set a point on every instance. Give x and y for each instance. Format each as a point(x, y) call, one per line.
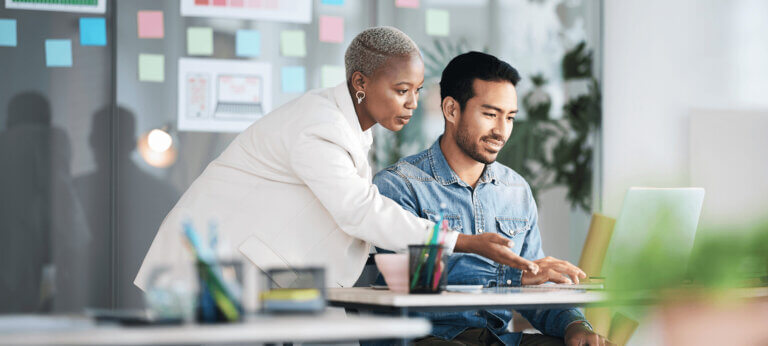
point(239, 97)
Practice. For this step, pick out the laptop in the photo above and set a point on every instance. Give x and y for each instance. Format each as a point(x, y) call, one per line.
point(675, 210)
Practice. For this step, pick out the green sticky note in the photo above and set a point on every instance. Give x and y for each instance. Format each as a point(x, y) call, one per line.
point(293, 43)
point(199, 41)
point(151, 67)
point(438, 22)
point(330, 76)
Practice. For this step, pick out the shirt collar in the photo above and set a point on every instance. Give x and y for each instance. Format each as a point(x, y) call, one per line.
point(444, 174)
point(344, 102)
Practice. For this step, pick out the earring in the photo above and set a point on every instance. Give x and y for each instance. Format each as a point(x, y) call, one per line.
point(360, 97)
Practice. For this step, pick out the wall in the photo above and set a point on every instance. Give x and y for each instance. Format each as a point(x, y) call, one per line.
point(665, 62)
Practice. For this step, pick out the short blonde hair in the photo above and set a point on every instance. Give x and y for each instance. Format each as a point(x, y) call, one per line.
point(372, 47)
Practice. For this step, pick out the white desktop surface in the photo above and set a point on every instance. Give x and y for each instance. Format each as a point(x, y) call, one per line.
point(533, 297)
point(256, 329)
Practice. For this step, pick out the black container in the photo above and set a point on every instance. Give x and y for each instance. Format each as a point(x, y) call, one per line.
point(426, 268)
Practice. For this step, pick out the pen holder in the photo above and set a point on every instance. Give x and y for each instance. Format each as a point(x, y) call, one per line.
point(426, 268)
point(293, 290)
point(219, 296)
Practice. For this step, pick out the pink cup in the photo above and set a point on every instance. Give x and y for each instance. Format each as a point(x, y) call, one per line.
point(394, 268)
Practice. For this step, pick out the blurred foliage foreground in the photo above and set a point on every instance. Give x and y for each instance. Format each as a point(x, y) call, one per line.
point(659, 271)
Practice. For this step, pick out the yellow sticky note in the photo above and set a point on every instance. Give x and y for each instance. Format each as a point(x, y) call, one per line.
point(151, 67)
point(293, 43)
point(330, 76)
point(438, 22)
point(199, 41)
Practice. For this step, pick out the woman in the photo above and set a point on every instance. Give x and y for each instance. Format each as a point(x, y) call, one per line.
point(294, 189)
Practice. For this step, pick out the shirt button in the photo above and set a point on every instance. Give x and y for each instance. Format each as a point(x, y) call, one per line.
point(480, 230)
point(509, 282)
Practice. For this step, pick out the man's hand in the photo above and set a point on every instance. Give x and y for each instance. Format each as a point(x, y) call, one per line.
point(495, 247)
point(578, 334)
point(555, 270)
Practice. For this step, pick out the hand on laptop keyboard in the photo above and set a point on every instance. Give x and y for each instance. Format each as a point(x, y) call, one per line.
point(554, 270)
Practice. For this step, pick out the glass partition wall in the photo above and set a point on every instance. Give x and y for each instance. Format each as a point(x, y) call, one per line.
point(81, 201)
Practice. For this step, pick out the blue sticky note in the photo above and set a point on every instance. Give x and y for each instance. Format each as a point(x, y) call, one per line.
point(93, 32)
point(58, 53)
point(8, 32)
point(248, 43)
point(333, 2)
point(294, 80)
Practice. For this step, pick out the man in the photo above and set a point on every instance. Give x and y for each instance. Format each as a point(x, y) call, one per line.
point(479, 103)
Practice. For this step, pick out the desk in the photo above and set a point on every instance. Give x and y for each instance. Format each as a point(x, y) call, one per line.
point(364, 298)
point(322, 328)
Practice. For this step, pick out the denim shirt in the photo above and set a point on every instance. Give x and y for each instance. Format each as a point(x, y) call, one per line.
point(502, 203)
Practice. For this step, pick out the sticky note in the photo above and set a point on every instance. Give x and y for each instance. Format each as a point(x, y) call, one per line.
point(201, 2)
point(330, 76)
point(7, 32)
point(293, 43)
point(331, 29)
point(333, 2)
point(438, 22)
point(151, 67)
point(407, 3)
point(219, 2)
point(248, 43)
point(236, 3)
point(150, 24)
point(93, 32)
point(199, 41)
point(58, 53)
point(294, 79)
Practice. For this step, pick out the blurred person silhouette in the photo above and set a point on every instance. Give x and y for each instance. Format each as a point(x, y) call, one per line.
point(141, 202)
point(43, 234)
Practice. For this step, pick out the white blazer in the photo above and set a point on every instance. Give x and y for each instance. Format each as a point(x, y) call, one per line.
point(294, 189)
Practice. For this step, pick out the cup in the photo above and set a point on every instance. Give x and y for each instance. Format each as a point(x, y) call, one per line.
point(426, 268)
point(394, 268)
point(171, 292)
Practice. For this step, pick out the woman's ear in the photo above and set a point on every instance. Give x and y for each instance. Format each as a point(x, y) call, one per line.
point(450, 109)
point(359, 81)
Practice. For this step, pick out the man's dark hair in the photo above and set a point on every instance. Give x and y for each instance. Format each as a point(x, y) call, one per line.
point(462, 71)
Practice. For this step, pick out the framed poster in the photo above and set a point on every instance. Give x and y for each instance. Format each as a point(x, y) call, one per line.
point(295, 11)
point(217, 95)
point(86, 6)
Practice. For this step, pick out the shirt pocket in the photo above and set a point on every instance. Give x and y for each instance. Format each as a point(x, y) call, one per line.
point(454, 220)
point(511, 226)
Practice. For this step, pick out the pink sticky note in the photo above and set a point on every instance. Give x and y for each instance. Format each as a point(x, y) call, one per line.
point(331, 29)
point(151, 24)
point(236, 3)
point(407, 3)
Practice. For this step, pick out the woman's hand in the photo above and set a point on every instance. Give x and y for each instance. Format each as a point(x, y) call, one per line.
point(495, 247)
